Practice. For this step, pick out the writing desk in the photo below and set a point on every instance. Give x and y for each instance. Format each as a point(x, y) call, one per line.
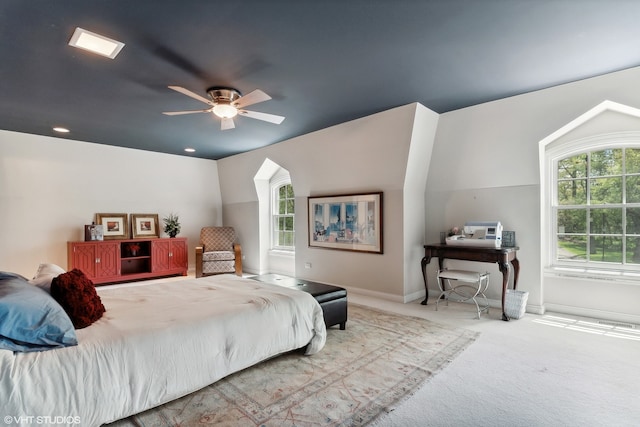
point(504, 257)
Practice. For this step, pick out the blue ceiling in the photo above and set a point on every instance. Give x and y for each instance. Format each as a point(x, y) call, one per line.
point(324, 62)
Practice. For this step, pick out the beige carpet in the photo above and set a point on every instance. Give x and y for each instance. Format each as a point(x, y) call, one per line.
point(361, 373)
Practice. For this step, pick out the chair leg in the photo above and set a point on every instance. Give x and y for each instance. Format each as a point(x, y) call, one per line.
point(237, 249)
point(199, 250)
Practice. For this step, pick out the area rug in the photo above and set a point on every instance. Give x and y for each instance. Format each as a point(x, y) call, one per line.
point(362, 372)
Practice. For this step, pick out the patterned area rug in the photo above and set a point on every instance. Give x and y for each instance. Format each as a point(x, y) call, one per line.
point(363, 371)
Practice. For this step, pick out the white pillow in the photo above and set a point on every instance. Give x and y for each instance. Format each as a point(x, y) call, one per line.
point(45, 274)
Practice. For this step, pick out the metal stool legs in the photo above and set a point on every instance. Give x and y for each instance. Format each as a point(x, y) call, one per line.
point(468, 285)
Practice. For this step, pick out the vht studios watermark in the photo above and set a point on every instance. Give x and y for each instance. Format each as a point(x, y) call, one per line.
point(41, 419)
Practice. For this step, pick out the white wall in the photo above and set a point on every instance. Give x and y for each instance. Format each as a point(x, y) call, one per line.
point(368, 154)
point(51, 187)
point(485, 166)
point(414, 209)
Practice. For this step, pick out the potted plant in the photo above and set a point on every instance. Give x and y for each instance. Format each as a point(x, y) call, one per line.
point(171, 225)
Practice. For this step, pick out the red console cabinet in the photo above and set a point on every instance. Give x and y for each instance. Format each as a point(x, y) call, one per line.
point(169, 256)
point(112, 261)
point(100, 261)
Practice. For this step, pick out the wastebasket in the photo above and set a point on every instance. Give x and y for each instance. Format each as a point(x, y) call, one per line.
point(515, 303)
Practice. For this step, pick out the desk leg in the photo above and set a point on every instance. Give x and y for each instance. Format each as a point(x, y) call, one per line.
point(423, 264)
point(504, 268)
point(516, 271)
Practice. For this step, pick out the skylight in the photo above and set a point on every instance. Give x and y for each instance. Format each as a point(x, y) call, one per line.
point(95, 43)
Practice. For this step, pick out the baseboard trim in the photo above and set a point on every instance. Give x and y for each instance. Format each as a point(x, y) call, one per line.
point(376, 294)
point(495, 303)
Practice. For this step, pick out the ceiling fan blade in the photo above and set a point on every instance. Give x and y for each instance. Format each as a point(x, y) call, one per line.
point(227, 123)
point(251, 98)
point(272, 118)
point(177, 113)
point(191, 94)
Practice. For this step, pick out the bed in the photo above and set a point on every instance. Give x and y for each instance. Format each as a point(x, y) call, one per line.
point(155, 343)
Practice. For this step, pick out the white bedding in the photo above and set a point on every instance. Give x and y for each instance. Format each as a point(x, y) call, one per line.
point(155, 343)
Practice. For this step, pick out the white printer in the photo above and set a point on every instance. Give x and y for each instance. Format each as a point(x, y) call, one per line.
point(486, 234)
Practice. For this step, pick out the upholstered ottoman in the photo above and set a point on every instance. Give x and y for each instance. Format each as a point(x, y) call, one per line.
point(332, 299)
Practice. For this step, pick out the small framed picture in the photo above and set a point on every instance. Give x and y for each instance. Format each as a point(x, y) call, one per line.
point(114, 225)
point(93, 232)
point(508, 239)
point(144, 225)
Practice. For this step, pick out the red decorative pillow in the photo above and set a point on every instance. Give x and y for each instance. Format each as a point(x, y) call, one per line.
point(77, 295)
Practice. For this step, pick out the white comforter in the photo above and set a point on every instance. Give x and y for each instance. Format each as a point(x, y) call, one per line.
point(155, 343)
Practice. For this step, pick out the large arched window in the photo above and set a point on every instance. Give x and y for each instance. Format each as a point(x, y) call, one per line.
point(590, 196)
point(596, 208)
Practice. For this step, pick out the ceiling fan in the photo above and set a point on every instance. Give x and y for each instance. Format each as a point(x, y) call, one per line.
point(226, 103)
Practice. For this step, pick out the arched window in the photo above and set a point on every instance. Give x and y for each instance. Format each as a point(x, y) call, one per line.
point(595, 206)
point(282, 215)
point(275, 225)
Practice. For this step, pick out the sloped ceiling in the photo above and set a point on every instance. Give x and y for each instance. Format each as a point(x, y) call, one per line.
point(323, 62)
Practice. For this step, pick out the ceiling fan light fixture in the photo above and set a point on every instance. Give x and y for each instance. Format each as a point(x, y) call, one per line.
point(226, 103)
point(225, 111)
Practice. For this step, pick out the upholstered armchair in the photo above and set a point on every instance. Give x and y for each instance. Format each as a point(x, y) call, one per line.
point(218, 252)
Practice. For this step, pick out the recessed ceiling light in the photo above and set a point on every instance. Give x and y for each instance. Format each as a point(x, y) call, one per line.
point(95, 43)
point(61, 129)
point(190, 150)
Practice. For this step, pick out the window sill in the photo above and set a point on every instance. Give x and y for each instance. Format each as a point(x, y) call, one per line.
point(601, 274)
point(282, 252)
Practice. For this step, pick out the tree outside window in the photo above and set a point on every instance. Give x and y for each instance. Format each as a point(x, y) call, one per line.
point(283, 218)
point(597, 210)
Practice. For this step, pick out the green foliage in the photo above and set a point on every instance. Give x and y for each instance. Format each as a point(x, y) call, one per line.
point(598, 206)
point(171, 224)
point(283, 228)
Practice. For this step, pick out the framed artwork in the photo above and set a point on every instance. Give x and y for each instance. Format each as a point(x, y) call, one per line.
point(350, 222)
point(144, 225)
point(93, 232)
point(114, 225)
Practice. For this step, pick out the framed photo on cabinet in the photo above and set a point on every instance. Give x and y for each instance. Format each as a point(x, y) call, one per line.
point(114, 225)
point(93, 232)
point(144, 225)
point(350, 222)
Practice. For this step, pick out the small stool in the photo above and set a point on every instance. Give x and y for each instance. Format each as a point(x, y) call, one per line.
point(468, 284)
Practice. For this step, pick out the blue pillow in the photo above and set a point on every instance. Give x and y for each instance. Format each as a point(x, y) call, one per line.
point(30, 319)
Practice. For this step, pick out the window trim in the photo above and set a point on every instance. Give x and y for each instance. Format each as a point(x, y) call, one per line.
point(276, 183)
point(554, 152)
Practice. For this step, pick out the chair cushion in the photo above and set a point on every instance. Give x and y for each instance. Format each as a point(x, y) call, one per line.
point(218, 267)
point(461, 275)
point(218, 256)
point(217, 238)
